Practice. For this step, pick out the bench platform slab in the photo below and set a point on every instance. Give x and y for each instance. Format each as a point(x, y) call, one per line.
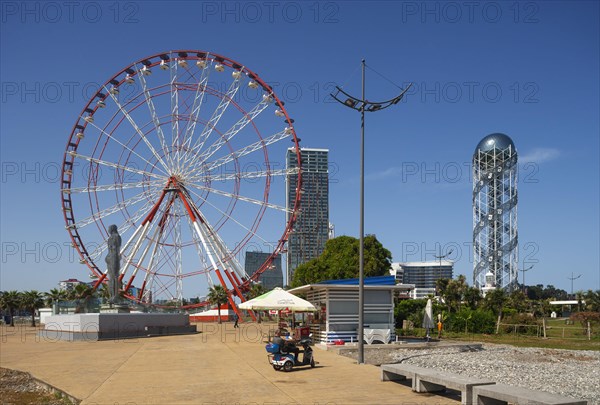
point(429, 380)
point(434, 380)
point(503, 394)
point(399, 372)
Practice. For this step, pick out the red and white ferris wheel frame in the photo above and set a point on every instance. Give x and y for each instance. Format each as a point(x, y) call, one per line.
point(238, 287)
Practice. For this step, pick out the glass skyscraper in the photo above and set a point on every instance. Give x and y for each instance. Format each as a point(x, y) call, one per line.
point(272, 277)
point(311, 230)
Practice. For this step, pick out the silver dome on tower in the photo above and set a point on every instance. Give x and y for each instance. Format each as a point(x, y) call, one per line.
point(495, 236)
point(495, 141)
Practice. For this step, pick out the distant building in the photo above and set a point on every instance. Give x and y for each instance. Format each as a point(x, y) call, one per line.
point(69, 285)
point(270, 278)
point(311, 230)
point(423, 275)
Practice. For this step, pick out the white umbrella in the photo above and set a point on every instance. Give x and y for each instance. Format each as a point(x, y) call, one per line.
point(278, 299)
point(428, 317)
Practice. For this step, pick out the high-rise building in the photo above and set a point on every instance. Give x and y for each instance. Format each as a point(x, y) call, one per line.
point(271, 277)
point(495, 235)
point(311, 230)
point(423, 275)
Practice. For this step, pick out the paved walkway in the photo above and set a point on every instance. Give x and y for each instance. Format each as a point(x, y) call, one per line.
point(221, 365)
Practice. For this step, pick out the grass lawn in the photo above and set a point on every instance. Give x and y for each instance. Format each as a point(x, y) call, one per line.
point(559, 335)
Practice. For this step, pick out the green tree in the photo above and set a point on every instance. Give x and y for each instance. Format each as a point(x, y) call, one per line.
point(10, 301)
point(553, 293)
point(517, 300)
point(81, 293)
point(495, 301)
point(592, 300)
point(579, 297)
point(535, 292)
point(455, 292)
point(256, 290)
point(407, 309)
point(217, 295)
point(54, 296)
point(472, 297)
point(442, 285)
point(340, 260)
point(32, 301)
point(541, 308)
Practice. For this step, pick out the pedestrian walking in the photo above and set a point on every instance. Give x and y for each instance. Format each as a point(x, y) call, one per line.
point(236, 318)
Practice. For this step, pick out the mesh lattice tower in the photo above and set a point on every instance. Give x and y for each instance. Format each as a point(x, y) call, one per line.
point(495, 237)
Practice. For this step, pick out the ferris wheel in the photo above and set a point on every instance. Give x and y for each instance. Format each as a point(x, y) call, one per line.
point(183, 152)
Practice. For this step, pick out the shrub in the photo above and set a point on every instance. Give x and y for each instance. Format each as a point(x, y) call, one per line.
point(475, 321)
point(411, 310)
point(525, 324)
point(585, 317)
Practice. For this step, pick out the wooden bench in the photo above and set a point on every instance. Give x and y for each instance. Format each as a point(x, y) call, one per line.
point(503, 394)
point(429, 380)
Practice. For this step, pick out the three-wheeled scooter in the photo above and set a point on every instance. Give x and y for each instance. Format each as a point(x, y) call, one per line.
point(285, 355)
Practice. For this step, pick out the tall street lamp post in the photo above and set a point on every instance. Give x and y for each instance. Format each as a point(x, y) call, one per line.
point(573, 278)
point(441, 256)
point(363, 105)
point(524, 270)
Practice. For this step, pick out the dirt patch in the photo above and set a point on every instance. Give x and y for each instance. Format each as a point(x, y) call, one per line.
point(17, 387)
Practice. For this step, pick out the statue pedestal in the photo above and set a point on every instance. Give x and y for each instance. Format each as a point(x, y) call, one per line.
point(114, 309)
point(105, 326)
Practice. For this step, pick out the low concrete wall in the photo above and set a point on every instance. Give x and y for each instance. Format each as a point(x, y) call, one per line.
point(114, 326)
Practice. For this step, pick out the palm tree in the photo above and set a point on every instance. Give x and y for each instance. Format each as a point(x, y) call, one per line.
point(518, 301)
point(103, 292)
point(472, 297)
point(256, 291)
point(455, 290)
point(82, 294)
point(54, 296)
point(32, 301)
point(10, 301)
point(592, 300)
point(579, 298)
point(217, 295)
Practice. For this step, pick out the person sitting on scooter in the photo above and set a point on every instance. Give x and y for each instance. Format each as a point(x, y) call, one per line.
point(286, 346)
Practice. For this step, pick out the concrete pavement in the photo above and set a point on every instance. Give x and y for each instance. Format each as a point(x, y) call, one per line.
point(221, 365)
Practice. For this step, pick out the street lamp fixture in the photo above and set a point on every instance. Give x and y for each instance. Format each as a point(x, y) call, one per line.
point(362, 105)
point(573, 278)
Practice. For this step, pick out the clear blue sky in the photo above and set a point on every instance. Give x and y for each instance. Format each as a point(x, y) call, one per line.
point(527, 69)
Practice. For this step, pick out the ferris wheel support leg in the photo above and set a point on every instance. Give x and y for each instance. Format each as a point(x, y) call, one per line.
point(237, 280)
point(231, 301)
point(141, 293)
point(134, 251)
point(144, 227)
point(238, 292)
point(100, 280)
point(157, 233)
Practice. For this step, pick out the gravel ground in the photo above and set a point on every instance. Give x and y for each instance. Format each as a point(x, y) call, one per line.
point(571, 373)
point(17, 387)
